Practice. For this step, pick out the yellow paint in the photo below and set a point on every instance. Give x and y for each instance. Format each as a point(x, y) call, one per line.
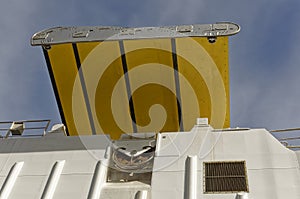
point(103, 98)
point(84, 49)
point(102, 68)
point(205, 65)
point(219, 53)
point(203, 83)
point(65, 71)
point(152, 52)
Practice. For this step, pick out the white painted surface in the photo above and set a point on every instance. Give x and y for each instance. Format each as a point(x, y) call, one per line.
point(273, 170)
point(191, 175)
point(10, 180)
point(53, 179)
point(99, 180)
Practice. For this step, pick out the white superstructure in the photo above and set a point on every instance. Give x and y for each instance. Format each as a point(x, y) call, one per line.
point(58, 166)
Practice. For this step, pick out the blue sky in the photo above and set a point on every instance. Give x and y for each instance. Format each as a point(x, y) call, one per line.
point(264, 56)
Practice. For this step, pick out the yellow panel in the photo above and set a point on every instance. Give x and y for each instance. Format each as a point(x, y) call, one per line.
point(152, 91)
point(64, 69)
point(84, 49)
point(152, 84)
point(102, 70)
point(219, 53)
point(205, 66)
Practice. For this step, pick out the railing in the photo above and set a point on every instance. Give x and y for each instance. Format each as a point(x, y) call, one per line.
point(24, 128)
point(286, 140)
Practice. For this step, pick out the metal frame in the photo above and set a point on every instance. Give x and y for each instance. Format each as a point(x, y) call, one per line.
point(284, 140)
point(8, 130)
point(60, 35)
point(219, 192)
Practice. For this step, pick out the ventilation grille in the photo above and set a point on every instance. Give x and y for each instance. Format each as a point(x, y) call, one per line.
point(225, 177)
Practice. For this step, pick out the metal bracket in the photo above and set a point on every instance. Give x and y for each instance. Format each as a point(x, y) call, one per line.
point(61, 35)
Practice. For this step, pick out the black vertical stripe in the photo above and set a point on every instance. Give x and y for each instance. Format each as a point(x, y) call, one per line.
point(84, 89)
point(176, 76)
point(50, 71)
point(128, 87)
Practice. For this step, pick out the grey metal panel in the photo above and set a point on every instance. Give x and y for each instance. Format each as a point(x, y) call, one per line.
point(53, 143)
point(61, 35)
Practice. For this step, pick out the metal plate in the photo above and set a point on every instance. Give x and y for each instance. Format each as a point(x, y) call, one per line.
point(60, 35)
point(222, 177)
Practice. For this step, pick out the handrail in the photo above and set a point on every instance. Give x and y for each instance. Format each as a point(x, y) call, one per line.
point(289, 138)
point(34, 125)
point(293, 147)
point(285, 139)
point(284, 130)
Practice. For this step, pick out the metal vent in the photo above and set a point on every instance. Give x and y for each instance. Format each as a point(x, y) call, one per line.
point(220, 177)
